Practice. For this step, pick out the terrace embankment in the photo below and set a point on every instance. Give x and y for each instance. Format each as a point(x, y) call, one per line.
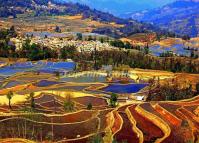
point(164, 122)
point(132, 121)
point(126, 131)
point(151, 132)
point(56, 130)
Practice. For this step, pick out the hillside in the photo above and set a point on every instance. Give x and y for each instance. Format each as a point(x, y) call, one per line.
point(48, 7)
point(36, 8)
point(118, 7)
point(59, 112)
point(181, 17)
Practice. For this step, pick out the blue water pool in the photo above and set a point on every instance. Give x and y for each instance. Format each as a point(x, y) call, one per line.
point(124, 88)
point(84, 79)
point(7, 71)
point(52, 67)
point(49, 67)
point(44, 83)
point(22, 65)
point(12, 84)
point(176, 48)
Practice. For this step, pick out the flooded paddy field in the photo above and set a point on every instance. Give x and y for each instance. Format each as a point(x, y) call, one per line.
point(40, 66)
point(76, 107)
point(84, 79)
point(124, 88)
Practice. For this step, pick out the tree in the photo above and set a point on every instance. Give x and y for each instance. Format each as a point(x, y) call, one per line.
point(128, 45)
point(151, 83)
point(197, 88)
point(115, 141)
point(12, 32)
point(95, 58)
point(90, 38)
point(186, 37)
point(32, 100)
point(68, 52)
point(68, 104)
point(57, 74)
point(94, 38)
point(117, 43)
point(107, 39)
point(113, 100)
point(158, 37)
point(79, 36)
point(9, 97)
point(146, 49)
point(102, 39)
point(192, 54)
point(57, 29)
point(49, 136)
point(96, 139)
point(89, 106)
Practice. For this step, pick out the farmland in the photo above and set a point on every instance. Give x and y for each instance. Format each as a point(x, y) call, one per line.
point(73, 74)
point(78, 112)
point(134, 122)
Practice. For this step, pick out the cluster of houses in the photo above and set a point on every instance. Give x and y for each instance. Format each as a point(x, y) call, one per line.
point(56, 43)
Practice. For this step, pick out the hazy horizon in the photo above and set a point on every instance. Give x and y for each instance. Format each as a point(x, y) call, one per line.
point(119, 7)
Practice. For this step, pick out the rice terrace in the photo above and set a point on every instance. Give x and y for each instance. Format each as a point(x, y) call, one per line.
point(90, 72)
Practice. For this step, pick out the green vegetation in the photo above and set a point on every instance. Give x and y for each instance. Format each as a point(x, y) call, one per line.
point(115, 141)
point(7, 49)
point(57, 29)
point(113, 100)
point(35, 52)
point(171, 93)
point(96, 139)
point(29, 50)
point(186, 37)
point(167, 54)
point(79, 36)
point(69, 105)
point(68, 52)
point(120, 44)
point(197, 88)
point(89, 106)
point(102, 40)
point(95, 59)
point(136, 59)
point(32, 100)
point(146, 49)
point(49, 136)
point(99, 139)
point(57, 74)
point(9, 97)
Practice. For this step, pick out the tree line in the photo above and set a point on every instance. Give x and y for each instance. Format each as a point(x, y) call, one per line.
point(95, 59)
point(171, 93)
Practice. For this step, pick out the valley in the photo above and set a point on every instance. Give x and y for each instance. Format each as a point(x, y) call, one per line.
point(70, 73)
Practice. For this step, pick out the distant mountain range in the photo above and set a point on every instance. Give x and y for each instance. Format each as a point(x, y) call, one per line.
point(181, 17)
point(118, 7)
point(54, 7)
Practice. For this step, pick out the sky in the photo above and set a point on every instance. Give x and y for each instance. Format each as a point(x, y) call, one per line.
point(119, 7)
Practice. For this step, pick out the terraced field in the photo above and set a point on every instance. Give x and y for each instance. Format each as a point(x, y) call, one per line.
point(148, 122)
point(52, 121)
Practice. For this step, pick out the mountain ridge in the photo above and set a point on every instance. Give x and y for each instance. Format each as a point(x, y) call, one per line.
point(52, 7)
point(181, 17)
point(118, 7)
